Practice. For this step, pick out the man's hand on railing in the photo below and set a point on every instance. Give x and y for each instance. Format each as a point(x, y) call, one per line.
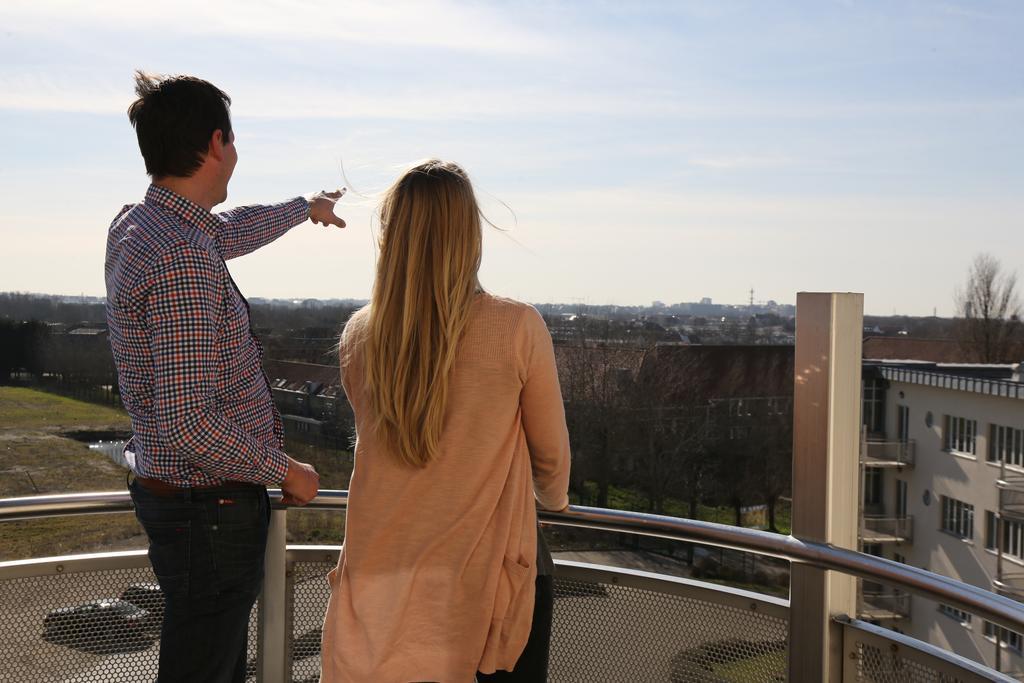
point(300, 484)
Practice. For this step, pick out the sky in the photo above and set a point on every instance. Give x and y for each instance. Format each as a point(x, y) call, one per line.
point(627, 152)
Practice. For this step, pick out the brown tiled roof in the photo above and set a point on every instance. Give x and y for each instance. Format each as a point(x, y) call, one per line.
point(912, 348)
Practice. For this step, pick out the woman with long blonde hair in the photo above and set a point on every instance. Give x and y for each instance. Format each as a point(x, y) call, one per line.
point(460, 436)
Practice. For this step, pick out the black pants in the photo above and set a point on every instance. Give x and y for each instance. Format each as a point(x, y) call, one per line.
point(206, 547)
point(532, 666)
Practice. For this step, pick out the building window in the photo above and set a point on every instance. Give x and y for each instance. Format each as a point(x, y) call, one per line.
point(1006, 445)
point(990, 530)
point(777, 406)
point(903, 423)
point(739, 432)
point(739, 408)
point(873, 549)
point(872, 486)
point(958, 517)
point(961, 434)
point(1007, 638)
point(874, 405)
point(958, 614)
point(1013, 537)
point(901, 498)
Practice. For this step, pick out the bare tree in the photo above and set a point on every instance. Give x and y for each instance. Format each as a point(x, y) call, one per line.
point(595, 374)
point(668, 435)
point(771, 440)
point(989, 312)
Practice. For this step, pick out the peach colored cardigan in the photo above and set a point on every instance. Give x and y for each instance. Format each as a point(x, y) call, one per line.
point(436, 577)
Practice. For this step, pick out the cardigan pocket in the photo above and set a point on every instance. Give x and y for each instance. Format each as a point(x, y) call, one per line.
point(514, 576)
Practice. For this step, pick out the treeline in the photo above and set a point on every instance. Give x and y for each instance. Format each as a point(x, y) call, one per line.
point(22, 347)
point(307, 334)
point(679, 426)
point(19, 307)
point(671, 427)
point(280, 318)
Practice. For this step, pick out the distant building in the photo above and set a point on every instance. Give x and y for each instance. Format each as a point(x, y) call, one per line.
point(80, 355)
point(97, 332)
point(943, 489)
point(311, 401)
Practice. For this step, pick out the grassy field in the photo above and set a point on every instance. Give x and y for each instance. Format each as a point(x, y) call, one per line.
point(37, 457)
point(625, 498)
point(320, 527)
point(31, 409)
point(753, 668)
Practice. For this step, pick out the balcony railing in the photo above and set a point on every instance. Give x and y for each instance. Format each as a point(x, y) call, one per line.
point(1010, 584)
point(610, 624)
point(880, 529)
point(884, 605)
point(1011, 494)
point(877, 453)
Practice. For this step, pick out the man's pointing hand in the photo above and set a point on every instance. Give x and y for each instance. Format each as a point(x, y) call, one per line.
point(321, 208)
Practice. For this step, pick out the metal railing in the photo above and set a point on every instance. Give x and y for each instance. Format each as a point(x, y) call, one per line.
point(605, 617)
point(881, 529)
point(1010, 584)
point(878, 453)
point(884, 605)
point(1011, 493)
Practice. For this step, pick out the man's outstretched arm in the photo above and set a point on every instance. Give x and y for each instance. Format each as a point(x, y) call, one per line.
point(247, 228)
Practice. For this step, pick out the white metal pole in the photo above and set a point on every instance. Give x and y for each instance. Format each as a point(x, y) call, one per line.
point(826, 444)
point(273, 603)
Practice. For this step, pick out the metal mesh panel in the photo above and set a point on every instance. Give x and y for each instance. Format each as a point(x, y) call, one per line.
point(101, 626)
point(876, 666)
point(605, 632)
point(616, 633)
point(252, 645)
point(310, 593)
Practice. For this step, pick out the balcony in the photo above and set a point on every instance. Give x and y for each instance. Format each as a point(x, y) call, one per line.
point(610, 624)
point(881, 529)
point(1011, 494)
point(879, 604)
point(1010, 584)
point(881, 453)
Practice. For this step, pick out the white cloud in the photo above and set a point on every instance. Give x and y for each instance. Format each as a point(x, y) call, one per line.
point(103, 93)
point(740, 162)
point(407, 23)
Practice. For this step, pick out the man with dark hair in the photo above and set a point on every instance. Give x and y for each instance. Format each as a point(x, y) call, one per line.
point(207, 438)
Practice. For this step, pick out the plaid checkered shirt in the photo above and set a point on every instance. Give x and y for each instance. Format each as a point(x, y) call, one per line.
point(189, 366)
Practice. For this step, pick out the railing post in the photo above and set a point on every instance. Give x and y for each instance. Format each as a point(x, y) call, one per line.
point(273, 603)
point(826, 440)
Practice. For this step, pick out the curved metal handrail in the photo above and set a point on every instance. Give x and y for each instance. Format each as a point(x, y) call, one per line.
point(987, 605)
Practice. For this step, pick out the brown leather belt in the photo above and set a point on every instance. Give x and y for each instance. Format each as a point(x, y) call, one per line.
point(159, 487)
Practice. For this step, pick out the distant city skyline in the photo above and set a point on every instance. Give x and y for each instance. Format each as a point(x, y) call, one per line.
point(647, 151)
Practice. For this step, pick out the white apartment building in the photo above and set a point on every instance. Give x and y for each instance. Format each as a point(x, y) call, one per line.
point(943, 489)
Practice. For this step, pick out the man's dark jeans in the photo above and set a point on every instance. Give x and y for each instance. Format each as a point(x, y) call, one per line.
point(206, 547)
point(532, 666)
